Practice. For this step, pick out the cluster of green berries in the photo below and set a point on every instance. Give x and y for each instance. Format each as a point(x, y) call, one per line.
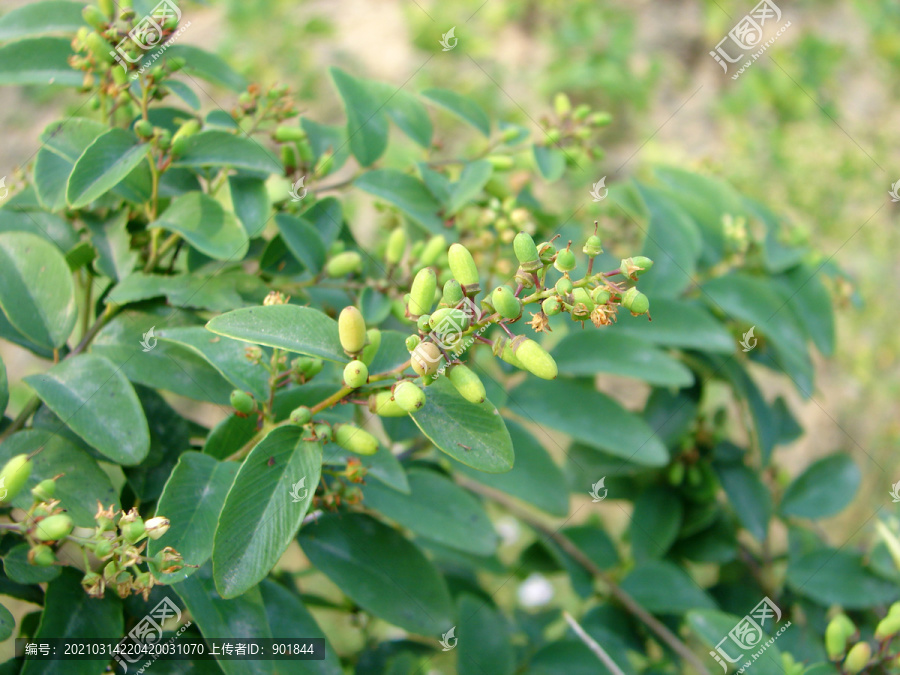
point(856, 657)
point(572, 128)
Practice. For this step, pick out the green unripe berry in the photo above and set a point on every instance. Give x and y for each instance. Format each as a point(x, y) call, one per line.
point(14, 476)
point(354, 439)
point(592, 246)
point(635, 301)
point(288, 158)
point(384, 405)
point(423, 323)
point(564, 286)
point(635, 267)
point(134, 530)
point(534, 358)
point(396, 246)
point(421, 295)
point(453, 293)
point(462, 265)
point(99, 48)
point(546, 251)
point(44, 490)
point(344, 263)
point(600, 295)
point(565, 260)
point(42, 556)
point(888, 626)
point(562, 105)
point(356, 374)
point(526, 252)
point(55, 527)
point(412, 342)
point(289, 134)
point(373, 342)
point(143, 128)
point(503, 347)
point(103, 548)
point(409, 396)
point(600, 119)
point(553, 136)
point(184, 132)
point(352, 330)
point(322, 432)
point(165, 137)
point(448, 321)
point(94, 18)
point(506, 303)
point(426, 359)
point(500, 162)
point(243, 402)
point(582, 297)
point(857, 658)
point(581, 112)
point(433, 249)
point(301, 416)
point(551, 306)
point(676, 474)
point(307, 366)
point(467, 383)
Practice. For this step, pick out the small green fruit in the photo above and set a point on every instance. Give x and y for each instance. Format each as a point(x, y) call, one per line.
point(409, 396)
point(547, 251)
point(301, 415)
point(534, 358)
point(526, 252)
point(412, 342)
point(185, 131)
point(564, 286)
point(42, 556)
point(500, 162)
point(373, 342)
point(635, 301)
point(344, 263)
point(103, 548)
point(134, 530)
point(322, 432)
point(352, 330)
point(582, 297)
point(467, 383)
point(592, 247)
point(565, 260)
point(426, 359)
point(94, 17)
point(562, 105)
point(44, 490)
point(433, 249)
point(462, 265)
point(307, 366)
point(600, 295)
point(55, 527)
point(423, 323)
point(289, 134)
point(14, 476)
point(857, 658)
point(453, 293)
point(506, 303)
point(143, 128)
point(356, 374)
point(354, 439)
point(551, 306)
point(384, 405)
point(676, 474)
point(243, 402)
point(396, 246)
point(636, 266)
point(449, 321)
point(888, 626)
point(421, 295)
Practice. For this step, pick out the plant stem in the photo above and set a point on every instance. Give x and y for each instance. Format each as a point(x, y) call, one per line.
point(569, 547)
point(155, 255)
point(23, 416)
point(593, 645)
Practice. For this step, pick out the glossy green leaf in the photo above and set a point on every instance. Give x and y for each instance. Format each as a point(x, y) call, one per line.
point(810, 302)
point(472, 433)
point(406, 193)
point(461, 106)
point(834, 577)
point(749, 497)
point(375, 565)
point(192, 500)
point(264, 508)
point(824, 489)
point(41, 61)
point(206, 226)
point(436, 508)
point(37, 294)
point(70, 612)
point(585, 353)
point(535, 478)
point(577, 409)
point(569, 657)
point(303, 240)
point(297, 329)
point(406, 111)
point(367, 125)
point(485, 644)
point(103, 165)
point(41, 18)
point(112, 241)
point(327, 138)
point(62, 143)
point(7, 623)
point(664, 588)
point(47, 225)
point(98, 403)
point(217, 148)
point(678, 323)
point(207, 66)
point(472, 180)
point(250, 201)
point(82, 484)
point(655, 522)
point(551, 162)
point(219, 293)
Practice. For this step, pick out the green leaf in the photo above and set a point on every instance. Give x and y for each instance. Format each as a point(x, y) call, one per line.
point(485, 644)
point(833, 577)
point(569, 657)
point(225, 355)
point(810, 302)
point(103, 165)
point(461, 106)
point(7, 623)
point(111, 239)
point(472, 180)
point(70, 612)
point(46, 225)
point(264, 508)
point(303, 240)
point(824, 489)
point(749, 497)
point(713, 628)
point(655, 522)
point(4, 388)
point(82, 484)
point(62, 143)
point(220, 293)
point(436, 508)
point(219, 148)
point(551, 162)
point(41, 18)
point(535, 478)
point(192, 500)
point(382, 465)
point(577, 409)
point(374, 565)
point(407, 112)
point(37, 294)
point(585, 353)
point(297, 329)
point(472, 433)
point(678, 323)
point(17, 567)
point(98, 403)
point(406, 193)
point(41, 61)
point(250, 202)
point(244, 615)
point(207, 66)
point(206, 226)
point(664, 588)
point(367, 125)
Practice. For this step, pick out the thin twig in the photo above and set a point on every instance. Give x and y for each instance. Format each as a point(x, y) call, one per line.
point(593, 645)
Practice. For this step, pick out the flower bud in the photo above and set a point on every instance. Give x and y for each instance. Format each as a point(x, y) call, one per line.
point(600, 295)
point(14, 476)
point(42, 556)
point(421, 295)
point(551, 306)
point(396, 246)
point(592, 246)
point(356, 374)
point(462, 265)
point(44, 490)
point(535, 359)
point(354, 439)
point(373, 342)
point(301, 415)
point(565, 260)
point(242, 402)
point(433, 249)
point(839, 630)
point(467, 383)
point(506, 303)
point(55, 527)
point(409, 396)
point(344, 263)
point(352, 330)
point(526, 252)
point(289, 134)
point(384, 405)
point(857, 658)
point(426, 358)
point(635, 301)
point(453, 293)
point(157, 527)
point(412, 342)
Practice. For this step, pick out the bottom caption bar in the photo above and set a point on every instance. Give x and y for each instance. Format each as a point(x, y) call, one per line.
point(186, 647)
